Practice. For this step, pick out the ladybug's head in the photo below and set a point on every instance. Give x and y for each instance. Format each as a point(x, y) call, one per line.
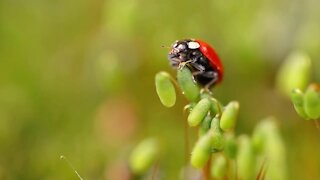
point(180, 51)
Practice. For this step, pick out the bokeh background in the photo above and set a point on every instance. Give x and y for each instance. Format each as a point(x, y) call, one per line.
point(77, 79)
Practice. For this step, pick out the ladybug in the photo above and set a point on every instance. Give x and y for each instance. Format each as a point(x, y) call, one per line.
point(200, 58)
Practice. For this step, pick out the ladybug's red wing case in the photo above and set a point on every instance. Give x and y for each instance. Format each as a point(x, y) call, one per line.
point(212, 56)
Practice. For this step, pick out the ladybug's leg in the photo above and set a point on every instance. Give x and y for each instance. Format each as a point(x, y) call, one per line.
point(184, 63)
point(210, 74)
point(175, 62)
point(200, 68)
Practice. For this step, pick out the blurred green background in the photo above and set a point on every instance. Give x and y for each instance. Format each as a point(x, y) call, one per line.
point(77, 79)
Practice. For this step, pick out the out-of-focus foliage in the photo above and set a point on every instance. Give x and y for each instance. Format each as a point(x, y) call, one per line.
point(294, 73)
point(77, 79)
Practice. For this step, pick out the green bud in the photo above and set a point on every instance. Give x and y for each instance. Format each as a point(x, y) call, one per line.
point(215, 124)
point(229, 116)
point(219, 167)
point(201, 151)
point(165, 89)
point(188, 86)
point(245, 159)
point(205, 125)
point(199, 112)
point(143, 156)
point(230, 148)
point(312, 101)
point(294, 73)
point(275, 153)
point(217, 142)
point(268, 142)
point(258, 140)
point(216, 106)
point(217, 135)
point(261, 134)
point(297, 97)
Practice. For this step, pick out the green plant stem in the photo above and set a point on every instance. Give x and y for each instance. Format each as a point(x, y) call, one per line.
point(262, 171)
point(186, 141)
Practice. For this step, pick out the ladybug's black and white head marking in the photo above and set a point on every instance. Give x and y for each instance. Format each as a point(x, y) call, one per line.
point(193, 45)
point(181, 51)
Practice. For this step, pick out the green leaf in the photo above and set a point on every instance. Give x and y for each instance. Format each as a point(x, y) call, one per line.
point(165, 89)
point(188, 86)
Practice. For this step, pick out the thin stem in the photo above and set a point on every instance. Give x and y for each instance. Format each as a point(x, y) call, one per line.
point(263, 176)
point(261, 171)
point(206, 90)
point(71, 166)
point(186, 142)
point(155, 170)
point(317, 124)
point(174, 82)
point(206, 170)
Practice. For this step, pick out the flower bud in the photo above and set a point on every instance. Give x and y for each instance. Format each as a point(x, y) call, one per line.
point(201, 151)
point(230, 148)
point(199, 112)
point(217, 141)
point(245, 158)
point(165, 89)
point(188, 86)
point(143, 156)
point(268, 142)
point(205, 125)
point(294, 73)
point(261, 134)
point(219, 167)
point(312, 101)
point(229, 116)
point(297, 98)
point(217, 135)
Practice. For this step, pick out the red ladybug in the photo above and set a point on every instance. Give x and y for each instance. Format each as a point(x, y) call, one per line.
point(200, 58)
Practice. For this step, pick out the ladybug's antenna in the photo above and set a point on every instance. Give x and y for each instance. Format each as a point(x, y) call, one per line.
point(163, 46)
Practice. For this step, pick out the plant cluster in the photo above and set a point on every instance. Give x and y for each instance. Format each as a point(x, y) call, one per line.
point(217, 152)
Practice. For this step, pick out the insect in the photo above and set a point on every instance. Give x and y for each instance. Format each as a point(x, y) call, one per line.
point(200, 58)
